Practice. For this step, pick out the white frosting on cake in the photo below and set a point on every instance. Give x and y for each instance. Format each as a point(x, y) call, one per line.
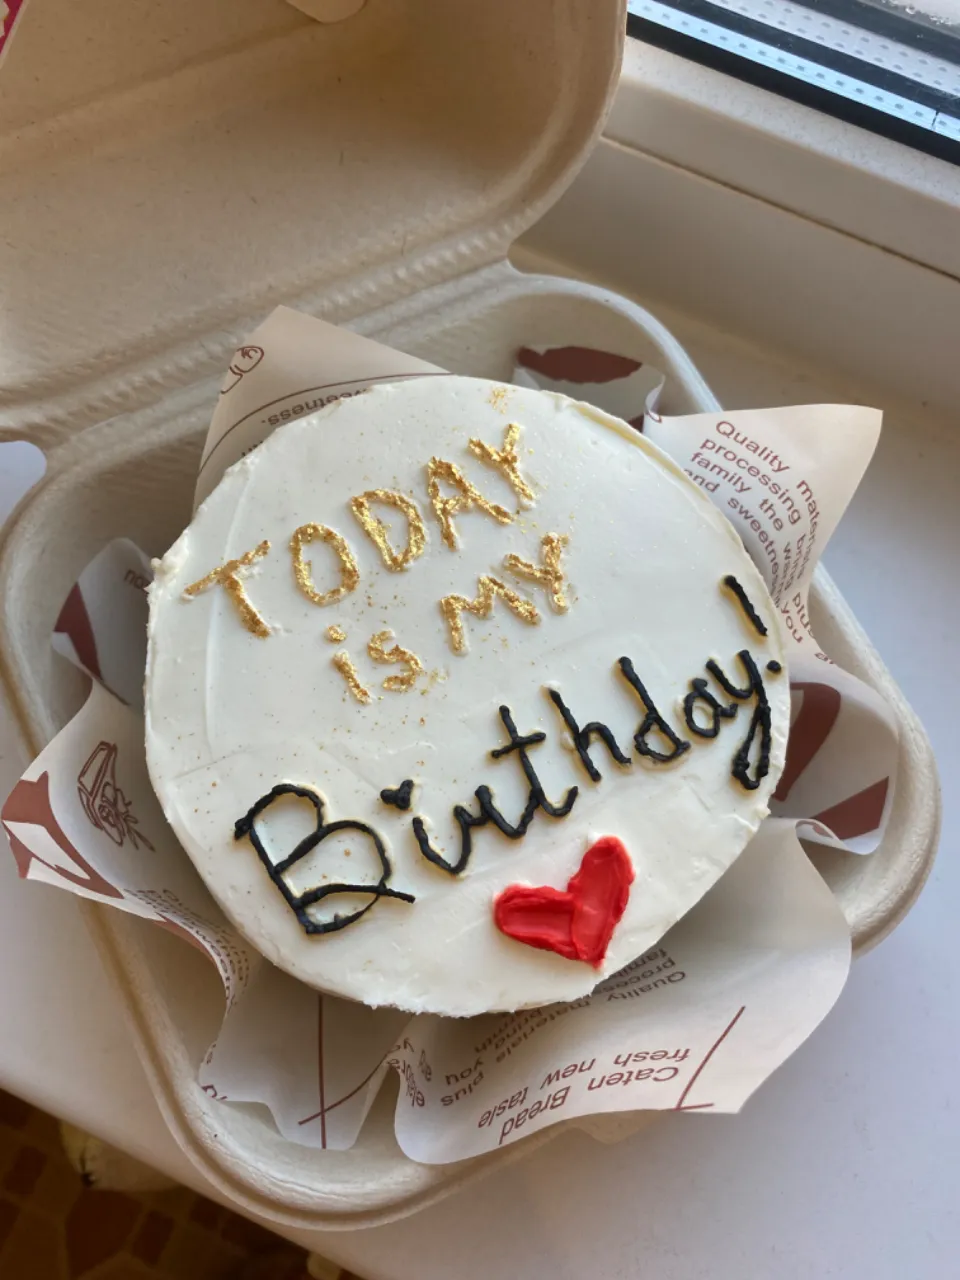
point(231, 714)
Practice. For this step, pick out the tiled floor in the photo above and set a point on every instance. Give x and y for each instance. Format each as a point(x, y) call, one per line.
point(52, 1227)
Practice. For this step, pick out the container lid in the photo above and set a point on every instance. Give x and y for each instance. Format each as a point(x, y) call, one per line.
point(170, 172)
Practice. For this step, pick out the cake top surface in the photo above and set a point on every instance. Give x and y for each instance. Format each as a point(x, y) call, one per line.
point(459, 695)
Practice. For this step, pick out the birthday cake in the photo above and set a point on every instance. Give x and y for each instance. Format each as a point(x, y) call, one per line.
point(459, 695)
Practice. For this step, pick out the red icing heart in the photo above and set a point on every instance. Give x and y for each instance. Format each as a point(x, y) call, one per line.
point(577, 922)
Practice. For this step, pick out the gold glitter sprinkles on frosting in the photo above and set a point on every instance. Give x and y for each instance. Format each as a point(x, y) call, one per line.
point(467, 498)
point(549, 574)
point(346, 668)
point(378, 651)
point(506, 460)
point(227, 575)
point(335, 634)
point(377, 530)
point(302, 569)
point(488, 589)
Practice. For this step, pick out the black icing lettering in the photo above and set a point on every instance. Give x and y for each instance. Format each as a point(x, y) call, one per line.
point(488, 811)
point(299, 903)
point(751, 763)
point(719, 710)
point(538, 798)
point(759, 721)
point(399, 797)
point(582, 737)
point(466, 821)
point(732, 585)
point(653, 722)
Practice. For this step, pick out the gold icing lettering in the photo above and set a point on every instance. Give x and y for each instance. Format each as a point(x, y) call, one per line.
point(378, 651)
point(302, 569)
point(467, 497)
point(335, 634)
point(228, 576)
point(376, 530)
point(488, 589)
point(506, 460)
point(346, 668)
point(549, 574)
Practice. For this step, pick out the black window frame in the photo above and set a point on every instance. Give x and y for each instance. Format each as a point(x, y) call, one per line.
point(915, 31)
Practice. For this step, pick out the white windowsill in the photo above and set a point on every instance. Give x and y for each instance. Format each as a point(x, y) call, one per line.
point(794, 156)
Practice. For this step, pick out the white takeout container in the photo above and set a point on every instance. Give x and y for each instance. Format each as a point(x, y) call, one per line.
point(170, 173)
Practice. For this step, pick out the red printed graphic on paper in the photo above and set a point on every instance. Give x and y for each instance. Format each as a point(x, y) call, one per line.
point(244, 359)
point(29, 804)
point(577, 364)
point(74, 622)
point(857, 815)
point(10, 11)
point(103, 802)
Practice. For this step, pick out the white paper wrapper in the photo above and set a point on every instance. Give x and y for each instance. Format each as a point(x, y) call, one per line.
point(293, 365)
point(696, 1024)
point(84, 817)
